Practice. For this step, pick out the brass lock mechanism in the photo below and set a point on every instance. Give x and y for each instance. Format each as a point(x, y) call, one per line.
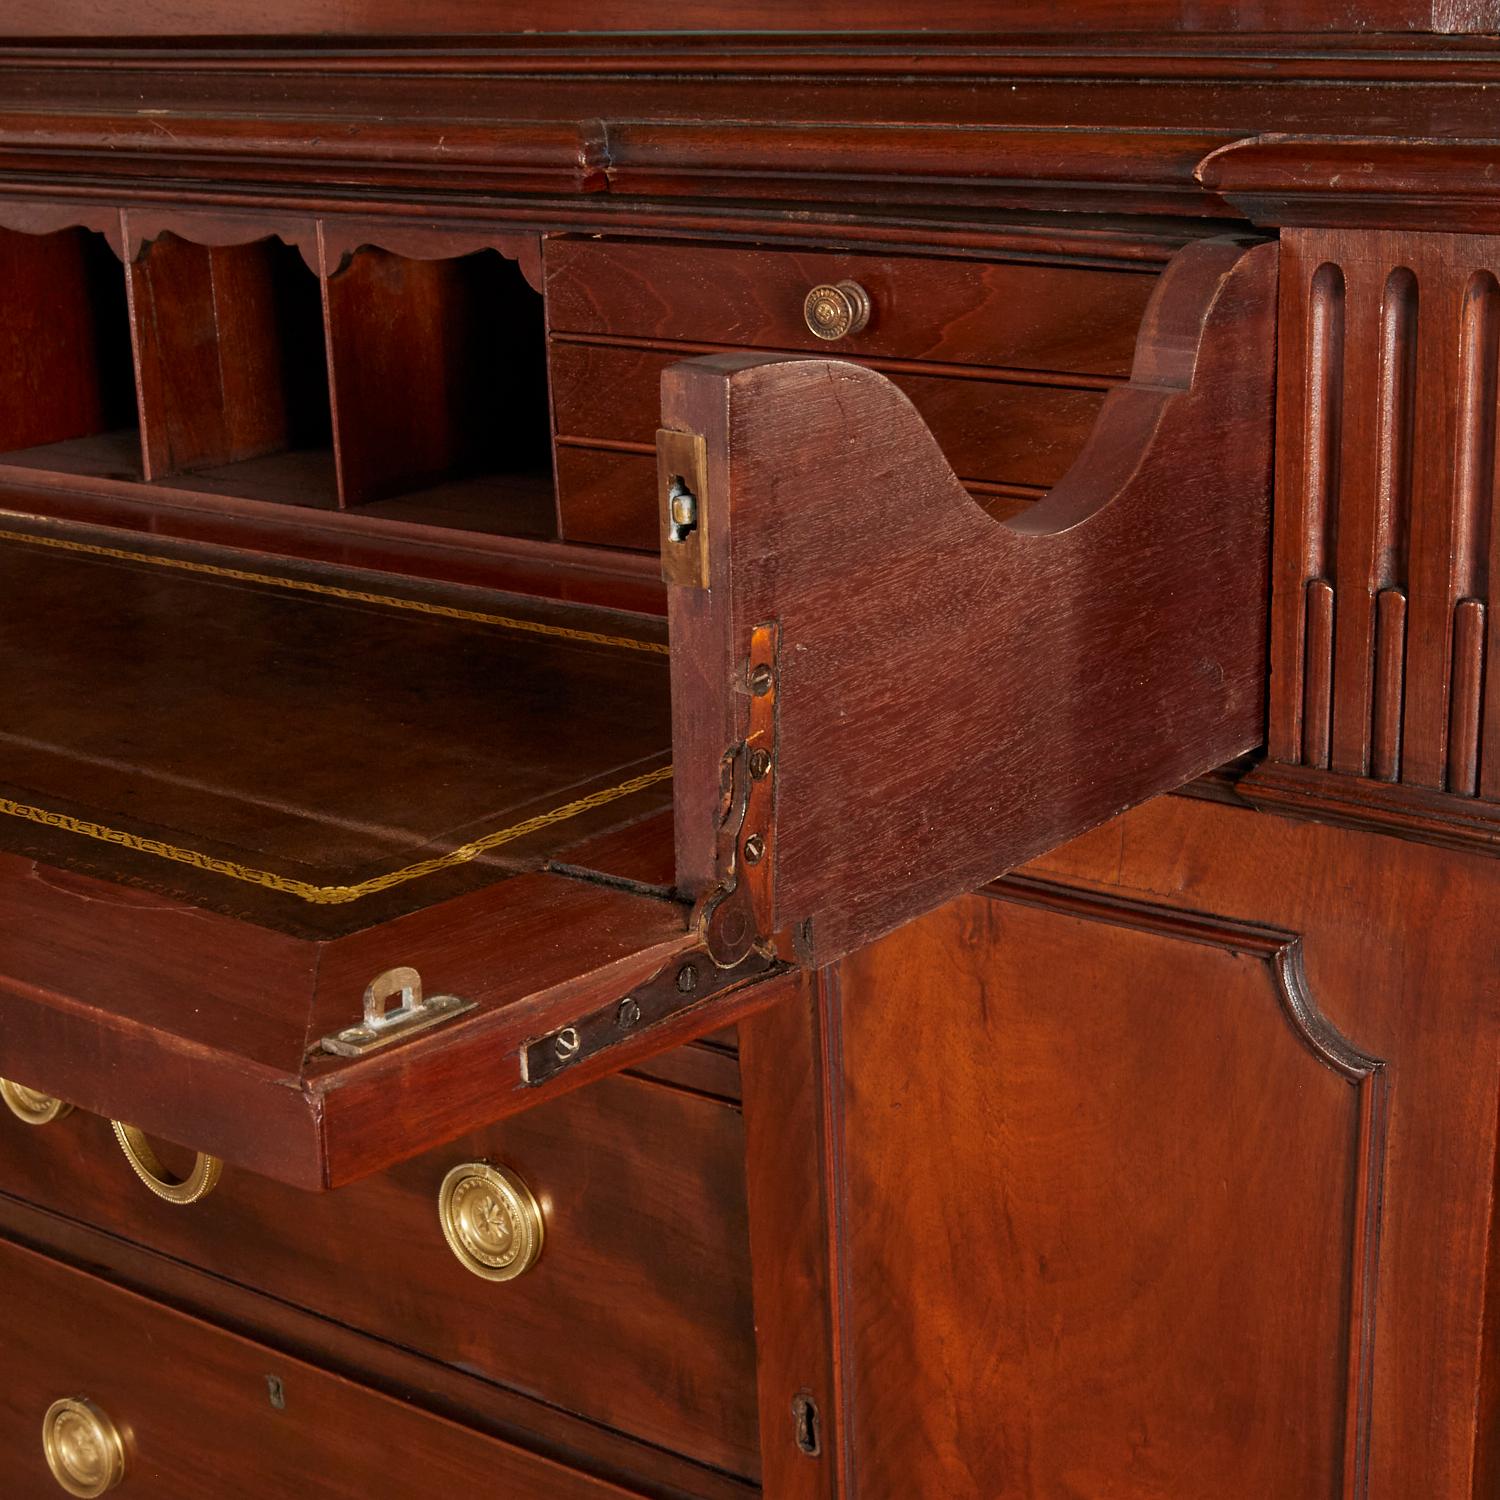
point(384, 1023)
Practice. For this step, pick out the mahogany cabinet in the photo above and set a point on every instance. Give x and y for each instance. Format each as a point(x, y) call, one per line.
point(749, 760)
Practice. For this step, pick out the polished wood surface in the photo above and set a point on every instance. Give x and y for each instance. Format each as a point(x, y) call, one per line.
point(645, 1262)
point(1162, 1168)
point(225, 733)
point(1112, 638)
point(1244, 1161)
point(227, 1428)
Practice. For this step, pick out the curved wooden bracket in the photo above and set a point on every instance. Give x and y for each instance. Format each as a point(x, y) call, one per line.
point(958, 694)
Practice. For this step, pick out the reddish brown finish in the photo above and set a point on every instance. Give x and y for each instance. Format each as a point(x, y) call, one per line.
point(228, 353)
point(606, 497)
point(86, 18)
point(1359, 181)
point(1423, 1007)
point(218, 1430)
point(437, 369)
point(646, 1259)
point(1255, 1137)
point(64, 343)
point(936, 660)
point(1092, 1191)
point(785, 1054)
point(1381, 624)
point(953, 311)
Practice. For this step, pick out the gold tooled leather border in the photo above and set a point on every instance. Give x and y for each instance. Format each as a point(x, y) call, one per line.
point(332, 591)
point(332, 895)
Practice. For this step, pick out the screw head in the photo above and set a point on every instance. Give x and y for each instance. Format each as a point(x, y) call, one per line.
point(760, 764)
point(629, 1012)
point(754, 848)
point(760, 680)
point(566, 1043)
point(687, 979)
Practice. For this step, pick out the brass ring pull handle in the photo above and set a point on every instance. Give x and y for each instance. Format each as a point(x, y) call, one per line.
point(492, 1223)
point(31, 1105)
point(837, 310)
point(83, 1447)
point(146, 1165)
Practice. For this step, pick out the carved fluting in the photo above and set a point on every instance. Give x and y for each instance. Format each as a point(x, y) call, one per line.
point(1385, 510)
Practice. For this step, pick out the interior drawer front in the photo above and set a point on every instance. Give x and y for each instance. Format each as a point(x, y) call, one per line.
point(637, 1313)
point(955, 311)
point(991, 431)
point(194, 1407)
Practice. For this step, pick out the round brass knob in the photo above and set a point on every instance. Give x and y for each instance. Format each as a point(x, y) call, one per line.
point(146, 1164)
point(833, 312)
point(491, 1221)
point(83, 1447)
point(31, 1105)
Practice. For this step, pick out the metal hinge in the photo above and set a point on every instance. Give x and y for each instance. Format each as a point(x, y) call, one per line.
point(688, 981)
point(736, 916)
point(682, 471)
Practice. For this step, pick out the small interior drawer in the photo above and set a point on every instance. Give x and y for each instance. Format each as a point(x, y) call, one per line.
point(199, 1411)
point(992, 431)
point(635, 1314)
point(1012, 314)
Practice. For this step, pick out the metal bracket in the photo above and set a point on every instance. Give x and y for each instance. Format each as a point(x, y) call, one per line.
point(690, 980)
point(381, 1027)
point(737, 915)
point(682, 472)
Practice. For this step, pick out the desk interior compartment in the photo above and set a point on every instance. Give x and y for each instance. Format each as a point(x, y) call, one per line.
point(233, 376)
point(67, 387)
point(439, 372)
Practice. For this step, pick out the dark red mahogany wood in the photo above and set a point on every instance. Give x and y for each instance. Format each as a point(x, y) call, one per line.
point(958, 694)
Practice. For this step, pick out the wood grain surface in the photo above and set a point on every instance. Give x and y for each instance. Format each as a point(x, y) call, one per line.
point(218, 1430)
point(958, 694)
point(646, 1260)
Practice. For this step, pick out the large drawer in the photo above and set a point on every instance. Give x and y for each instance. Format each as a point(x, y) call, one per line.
point(202, 1412)
point(637, 1313)
point(1013, 314)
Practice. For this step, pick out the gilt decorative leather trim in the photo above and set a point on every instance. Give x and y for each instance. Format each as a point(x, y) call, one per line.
point(332, 895)
point(332, 591)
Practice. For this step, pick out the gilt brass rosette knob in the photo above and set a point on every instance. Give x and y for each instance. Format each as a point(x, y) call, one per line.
point(491, 1221)
point(31, 1105)
point(83, 1448)
point(836, 310)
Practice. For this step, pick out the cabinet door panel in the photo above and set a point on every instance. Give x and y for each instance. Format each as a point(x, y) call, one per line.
point(1109, 1176)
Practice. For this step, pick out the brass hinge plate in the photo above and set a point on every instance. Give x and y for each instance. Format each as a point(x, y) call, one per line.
point(737, 915)
point(682, 481)
point(687, 982)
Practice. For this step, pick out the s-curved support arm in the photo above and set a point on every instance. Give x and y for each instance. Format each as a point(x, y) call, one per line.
point(955, 694)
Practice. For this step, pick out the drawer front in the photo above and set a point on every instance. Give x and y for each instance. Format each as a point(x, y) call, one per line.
point(1016, 315)
point(996, 432)
point(637, 1313)
point(1008, 364)
point(201, 1412)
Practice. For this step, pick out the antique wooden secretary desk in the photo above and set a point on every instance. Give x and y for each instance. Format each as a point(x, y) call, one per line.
point(748, 752)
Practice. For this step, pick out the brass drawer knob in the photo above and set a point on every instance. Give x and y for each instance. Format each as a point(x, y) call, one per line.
point(491, 1221)
point(30, 1105)
point(83, 1447)
point(146, 1164)
point(837, 310)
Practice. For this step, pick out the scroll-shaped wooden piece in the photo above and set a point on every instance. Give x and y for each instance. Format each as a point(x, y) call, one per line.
point(959, 694)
